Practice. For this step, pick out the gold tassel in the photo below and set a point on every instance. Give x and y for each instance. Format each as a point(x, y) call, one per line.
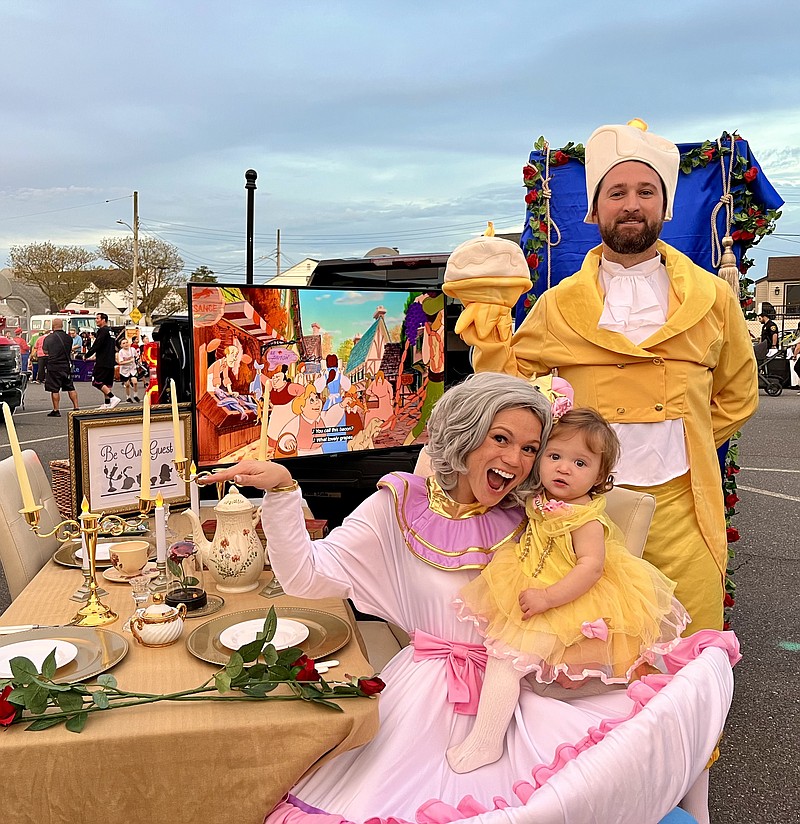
point(728, 270)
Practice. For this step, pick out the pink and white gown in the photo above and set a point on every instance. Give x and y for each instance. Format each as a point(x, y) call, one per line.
point(403, 555)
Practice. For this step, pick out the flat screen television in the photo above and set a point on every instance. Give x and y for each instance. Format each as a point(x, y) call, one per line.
point(337, 382)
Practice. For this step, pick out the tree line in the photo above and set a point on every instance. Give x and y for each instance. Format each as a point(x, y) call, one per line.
point(64, 272)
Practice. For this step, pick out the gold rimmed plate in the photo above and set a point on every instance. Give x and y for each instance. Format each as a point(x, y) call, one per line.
point(98, 649)
point(65, 556)
point(326, 633)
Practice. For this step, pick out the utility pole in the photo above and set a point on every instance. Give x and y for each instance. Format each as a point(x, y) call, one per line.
point(278, 256)
point(135, 284)
point(250, 186)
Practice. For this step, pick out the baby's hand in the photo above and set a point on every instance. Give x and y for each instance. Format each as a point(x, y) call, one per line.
point(532, 602)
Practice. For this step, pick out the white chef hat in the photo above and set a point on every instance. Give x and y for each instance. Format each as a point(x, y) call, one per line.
point(609, 146)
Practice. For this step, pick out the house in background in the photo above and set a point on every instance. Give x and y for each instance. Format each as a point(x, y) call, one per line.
point(296, 276)
point(781, 288)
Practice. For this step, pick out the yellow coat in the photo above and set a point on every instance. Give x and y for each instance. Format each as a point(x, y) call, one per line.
point(699, 366)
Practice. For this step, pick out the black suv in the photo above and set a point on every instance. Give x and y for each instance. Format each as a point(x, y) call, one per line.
point(12, 379)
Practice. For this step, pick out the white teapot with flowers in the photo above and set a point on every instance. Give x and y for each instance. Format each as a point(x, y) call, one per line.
point(235, 556)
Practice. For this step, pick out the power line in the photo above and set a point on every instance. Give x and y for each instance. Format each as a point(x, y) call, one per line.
point(66, 208)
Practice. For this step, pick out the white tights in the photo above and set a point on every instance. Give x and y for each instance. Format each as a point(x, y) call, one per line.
point(499, 698)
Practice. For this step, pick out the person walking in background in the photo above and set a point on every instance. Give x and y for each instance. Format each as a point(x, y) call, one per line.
point(24, 348)
point(769, 329)
point(58, 350)
point(104, 352)
point(77, 343)
point(126, 359)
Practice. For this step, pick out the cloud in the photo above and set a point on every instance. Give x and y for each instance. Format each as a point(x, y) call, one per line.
point(357, 298)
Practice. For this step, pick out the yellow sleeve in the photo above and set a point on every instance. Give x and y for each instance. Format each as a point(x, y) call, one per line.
point(734, 390)
point(488, 329)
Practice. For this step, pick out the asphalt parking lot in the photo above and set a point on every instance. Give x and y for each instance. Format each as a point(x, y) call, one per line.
point(757, 778)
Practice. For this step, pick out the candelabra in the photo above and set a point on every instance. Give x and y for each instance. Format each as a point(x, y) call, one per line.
point(190, 476)
point(89, 524)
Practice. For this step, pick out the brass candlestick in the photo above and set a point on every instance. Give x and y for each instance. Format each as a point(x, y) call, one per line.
point(181, 468)
point(95, 613)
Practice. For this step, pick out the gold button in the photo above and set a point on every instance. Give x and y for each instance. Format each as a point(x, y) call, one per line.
point(620, 366)
point(657, 361)
point(659, 407)
point(620, 409)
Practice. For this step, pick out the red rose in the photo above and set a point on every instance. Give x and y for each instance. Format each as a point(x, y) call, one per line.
point(308, 671)
point(751, 174)
point(760, 222)
point(728, 601)
point(731, 499)
point(726, 625)
point(527, 303)
point(371, 686)
point(561, 158)
point(8, 711)
point(532, 196)
point(733, 534)
point(543, 226)
point(743, 267)
point(709, 153)
point(529, 172)
point(533, 260)
point(742, 234)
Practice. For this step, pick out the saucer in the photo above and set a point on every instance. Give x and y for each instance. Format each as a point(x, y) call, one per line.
point(116, 577)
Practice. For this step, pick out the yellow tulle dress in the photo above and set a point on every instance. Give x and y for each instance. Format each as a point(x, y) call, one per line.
point(628, 617)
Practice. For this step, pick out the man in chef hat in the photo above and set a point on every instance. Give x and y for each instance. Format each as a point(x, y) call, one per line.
point(656, 344)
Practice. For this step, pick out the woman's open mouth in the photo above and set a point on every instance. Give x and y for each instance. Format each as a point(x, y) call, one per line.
point(498, 479)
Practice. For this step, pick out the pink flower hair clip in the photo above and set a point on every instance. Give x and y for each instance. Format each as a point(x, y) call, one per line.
point(558, 391)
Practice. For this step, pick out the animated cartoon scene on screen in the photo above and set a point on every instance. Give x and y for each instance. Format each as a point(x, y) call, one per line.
point(291, 372)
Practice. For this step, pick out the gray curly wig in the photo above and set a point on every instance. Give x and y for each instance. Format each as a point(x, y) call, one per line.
point(461, 419)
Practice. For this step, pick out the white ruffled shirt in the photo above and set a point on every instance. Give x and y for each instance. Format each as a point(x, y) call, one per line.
point(635, 304)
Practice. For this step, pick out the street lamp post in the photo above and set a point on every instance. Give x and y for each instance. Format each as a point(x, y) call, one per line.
point(250, 186)
point(135, 230)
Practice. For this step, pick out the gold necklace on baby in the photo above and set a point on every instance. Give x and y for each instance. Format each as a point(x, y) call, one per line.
point(525, 544)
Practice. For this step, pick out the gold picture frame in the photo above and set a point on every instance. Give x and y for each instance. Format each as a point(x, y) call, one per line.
point(105, 452)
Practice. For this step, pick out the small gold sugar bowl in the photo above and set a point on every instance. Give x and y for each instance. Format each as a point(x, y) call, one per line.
point(158, 625)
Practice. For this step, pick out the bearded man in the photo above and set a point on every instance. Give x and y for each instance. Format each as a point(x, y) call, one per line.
point(656, 344)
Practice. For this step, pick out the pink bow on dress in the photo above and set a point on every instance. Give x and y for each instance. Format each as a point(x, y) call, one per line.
point(466, 664)
point(595, 629)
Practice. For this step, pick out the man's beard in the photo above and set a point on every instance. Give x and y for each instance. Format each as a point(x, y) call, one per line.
point(628, 242)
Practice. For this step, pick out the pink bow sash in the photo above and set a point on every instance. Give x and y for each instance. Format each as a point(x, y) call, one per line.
point(466, 664)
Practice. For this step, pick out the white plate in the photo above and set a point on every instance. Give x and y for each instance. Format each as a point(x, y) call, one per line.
point(36, 651)
point(102, 552)
point(288, 634)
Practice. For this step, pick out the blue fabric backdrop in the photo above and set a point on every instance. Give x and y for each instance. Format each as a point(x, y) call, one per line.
point(689, 230)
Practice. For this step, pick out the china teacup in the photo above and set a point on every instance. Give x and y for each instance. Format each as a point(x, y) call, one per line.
point(129, 557)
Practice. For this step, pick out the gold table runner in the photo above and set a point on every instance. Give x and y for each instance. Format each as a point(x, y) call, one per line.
point(176, 762)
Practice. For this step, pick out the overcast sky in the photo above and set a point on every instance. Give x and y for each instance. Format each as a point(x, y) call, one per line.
point(369, 123)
